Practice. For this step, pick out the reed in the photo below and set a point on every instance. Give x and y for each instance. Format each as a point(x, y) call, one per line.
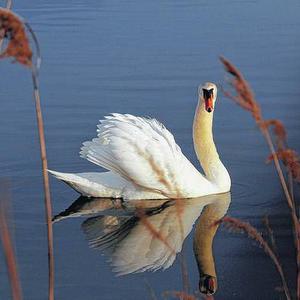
point(240, 226)
point(7, 244)
point(13, 30)
point(280, 152)
point(270, 234)
point(8, 5)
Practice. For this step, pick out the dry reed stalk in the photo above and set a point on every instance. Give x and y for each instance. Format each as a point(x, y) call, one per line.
point(240, 226)
point(18, 47)
point(245, 98)
point(7, 244)
point(270, 234)
point(291, 161)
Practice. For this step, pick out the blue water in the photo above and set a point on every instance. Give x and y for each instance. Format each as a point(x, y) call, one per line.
point(147, 58)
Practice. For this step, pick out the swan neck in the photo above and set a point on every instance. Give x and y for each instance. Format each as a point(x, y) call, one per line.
point(203, 140)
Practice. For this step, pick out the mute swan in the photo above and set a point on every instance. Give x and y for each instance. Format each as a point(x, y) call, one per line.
point(144, 161)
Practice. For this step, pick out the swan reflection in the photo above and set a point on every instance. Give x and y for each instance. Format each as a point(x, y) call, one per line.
point(146, 235)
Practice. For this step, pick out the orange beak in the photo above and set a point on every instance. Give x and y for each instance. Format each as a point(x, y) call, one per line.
point(208, 96)
point(209, 104)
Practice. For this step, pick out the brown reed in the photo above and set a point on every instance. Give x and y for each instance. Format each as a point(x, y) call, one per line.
point(240, 226)
point(270, 233)
point(7, 6)
point(18, 46)
point(13, 29)
point(7, 244)
point(245, 98)
point(290, 159)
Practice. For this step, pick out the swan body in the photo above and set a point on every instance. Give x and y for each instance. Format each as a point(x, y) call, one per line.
point(144, 161)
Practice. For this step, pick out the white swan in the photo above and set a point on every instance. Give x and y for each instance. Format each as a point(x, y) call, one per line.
point(144, 161)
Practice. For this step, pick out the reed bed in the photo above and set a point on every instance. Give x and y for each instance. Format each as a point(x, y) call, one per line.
point(13, 31)
point(283, 158)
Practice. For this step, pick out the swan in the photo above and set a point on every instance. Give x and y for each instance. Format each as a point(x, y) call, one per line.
point(144, 161)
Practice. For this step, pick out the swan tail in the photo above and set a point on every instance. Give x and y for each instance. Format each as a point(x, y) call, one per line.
point(90, 184)
point(95, 152)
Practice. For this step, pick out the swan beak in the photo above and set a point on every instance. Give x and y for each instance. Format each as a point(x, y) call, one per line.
point(209, 104)
point(208, 99)
point(207, 284)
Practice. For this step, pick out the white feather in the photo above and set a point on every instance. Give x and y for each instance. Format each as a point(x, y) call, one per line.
point(144, 153)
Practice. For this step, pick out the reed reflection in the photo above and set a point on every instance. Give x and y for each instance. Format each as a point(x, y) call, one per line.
point(146, 235)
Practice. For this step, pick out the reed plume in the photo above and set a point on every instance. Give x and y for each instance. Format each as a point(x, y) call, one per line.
point(13, 30)
point(17, 46)
point(290, 159)
point(7, 6)
point(246, 99)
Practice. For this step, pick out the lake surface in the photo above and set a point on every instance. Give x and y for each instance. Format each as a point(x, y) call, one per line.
point(148, 58)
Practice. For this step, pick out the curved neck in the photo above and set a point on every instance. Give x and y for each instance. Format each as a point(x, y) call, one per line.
point(205, 147)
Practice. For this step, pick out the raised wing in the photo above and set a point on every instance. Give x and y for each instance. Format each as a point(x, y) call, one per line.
point(145, 153)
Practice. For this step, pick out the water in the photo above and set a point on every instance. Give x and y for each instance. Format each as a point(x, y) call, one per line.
point(147, 58)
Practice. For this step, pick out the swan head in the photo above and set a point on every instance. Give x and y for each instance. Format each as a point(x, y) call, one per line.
point(207, 284)
point(208, 95)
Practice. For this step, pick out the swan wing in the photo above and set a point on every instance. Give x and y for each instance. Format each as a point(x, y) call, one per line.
point(144, 152)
